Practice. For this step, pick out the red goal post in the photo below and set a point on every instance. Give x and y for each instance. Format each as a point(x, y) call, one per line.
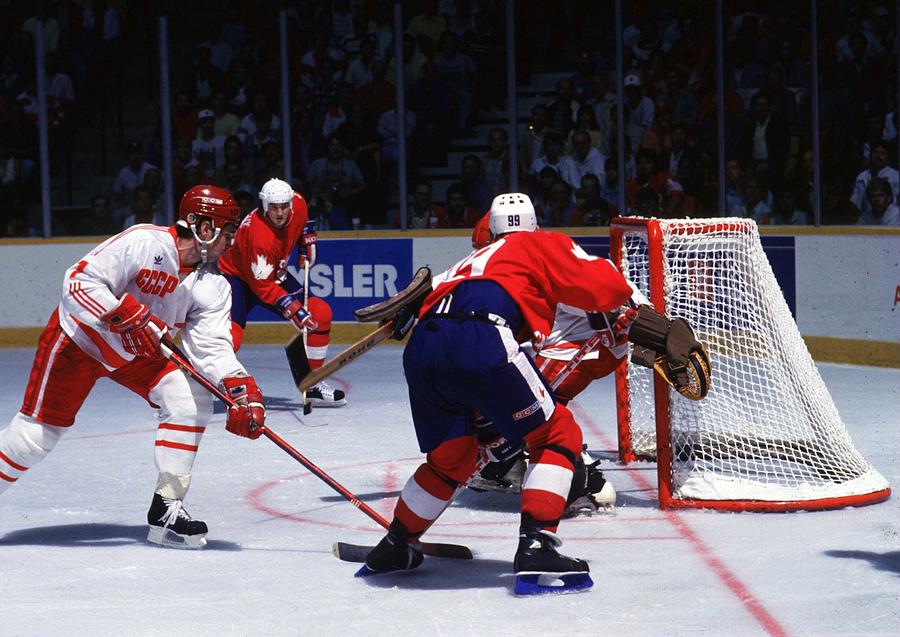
point(768, 437)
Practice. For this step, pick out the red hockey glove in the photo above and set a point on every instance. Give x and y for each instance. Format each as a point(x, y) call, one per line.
point(310, 238)
point(139, 329)
point(248, 418)
point(292, 308)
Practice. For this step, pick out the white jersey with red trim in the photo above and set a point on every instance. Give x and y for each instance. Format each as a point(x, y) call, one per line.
point(143, 262)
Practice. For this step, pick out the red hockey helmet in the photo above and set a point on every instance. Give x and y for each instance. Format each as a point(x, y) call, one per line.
point(481, 235)
point(209, 201)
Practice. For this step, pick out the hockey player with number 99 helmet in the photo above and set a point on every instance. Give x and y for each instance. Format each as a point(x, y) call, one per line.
point(118, 303)
point(464, 358)
point(257, 269)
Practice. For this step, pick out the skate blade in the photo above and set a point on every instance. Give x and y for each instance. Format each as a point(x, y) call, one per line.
point(552, 583)
point(480, 484)
point(315, 402)
point(168, 538)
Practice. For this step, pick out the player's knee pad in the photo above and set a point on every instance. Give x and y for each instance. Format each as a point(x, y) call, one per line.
point(23, 444)
point(321, 311)
point(560, 435)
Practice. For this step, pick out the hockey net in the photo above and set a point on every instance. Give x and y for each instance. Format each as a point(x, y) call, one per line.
point(768, 436)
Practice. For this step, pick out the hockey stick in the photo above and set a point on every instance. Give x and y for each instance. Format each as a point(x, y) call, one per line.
point(307, 407)
point(296, 349)
point(174, 354)
point(343, 359)
point(358, 552)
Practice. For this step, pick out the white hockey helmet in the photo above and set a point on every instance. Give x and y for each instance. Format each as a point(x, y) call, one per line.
point(275, 191)
point(512, 212)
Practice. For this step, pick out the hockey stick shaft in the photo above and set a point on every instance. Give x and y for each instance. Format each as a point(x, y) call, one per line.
point(343, 359)
point(305, 307)
point(174, 354)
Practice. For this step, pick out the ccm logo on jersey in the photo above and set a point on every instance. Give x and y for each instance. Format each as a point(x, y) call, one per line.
point(524, 413)
point(155, 282)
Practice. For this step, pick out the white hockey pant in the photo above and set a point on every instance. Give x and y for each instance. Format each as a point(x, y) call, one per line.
point(23, 444)
point(185, 410)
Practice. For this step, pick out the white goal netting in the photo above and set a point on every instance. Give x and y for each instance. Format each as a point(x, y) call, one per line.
point(768, 430)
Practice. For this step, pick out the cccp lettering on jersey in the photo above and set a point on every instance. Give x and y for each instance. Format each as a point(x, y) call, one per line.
point(155, 282)
point(360, 280)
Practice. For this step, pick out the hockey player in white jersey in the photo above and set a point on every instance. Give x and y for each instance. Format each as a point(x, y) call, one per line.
point(117, 303)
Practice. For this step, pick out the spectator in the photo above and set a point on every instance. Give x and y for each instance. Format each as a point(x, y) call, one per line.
point(239, 90)
point(227, 123)
point(755, 200)
point(98, 220)
point(474, 185)
point(562, 110)
point(246, 200)
point(233, 179)
point(204, 79)
point(734, 174)
point(186, 170)
point(764, 143)
point(381, 30)
point(496, 161)
point(131, 175)
point(254, 145)
point(142, 210)
point(377, 95)
point(11, 83)
point(647, 203)
point(459, 215)
point(428, 24)
point(359, 71)
point(49, 22)
point(609, 189)
point(590, 208)
point(785, 212)
point(784, 102)
point(586, 159)
point(423, 213)
point(586, 121)
point(744, 72)
point(639, 109)
point(341, 20)
point(271, 164)
point(413, 63)
point(208, 148)
point(234, 153)
point(683, 160)
point(314, 67)
point(541, 190)
point(430, 101)
point(882, 209)
point(184, 117)
point(260, 110)
point(531, 145)
point(308, 144)
point(334, 181)
point(685, 106)
point(659, 136)
point(560, 209)
point(60, 91)
point(389, 134)
point(669, 191)
point(456, 69)
point(153, 183)
point(878, 167)
point(552, 157)
point(338, 108)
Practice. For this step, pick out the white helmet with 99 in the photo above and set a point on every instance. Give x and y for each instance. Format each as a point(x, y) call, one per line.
point(512, 212)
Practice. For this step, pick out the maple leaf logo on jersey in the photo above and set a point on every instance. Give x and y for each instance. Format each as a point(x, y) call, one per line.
point(261, 268)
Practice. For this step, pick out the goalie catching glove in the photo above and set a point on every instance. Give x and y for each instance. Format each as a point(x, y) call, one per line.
point(674, 352)
point(248, 417)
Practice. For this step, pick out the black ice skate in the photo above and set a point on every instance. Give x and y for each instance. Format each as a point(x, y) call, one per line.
point(541, 569)
point(171, 525)
point(393, 553)
point(599, 495)
point(324, 395)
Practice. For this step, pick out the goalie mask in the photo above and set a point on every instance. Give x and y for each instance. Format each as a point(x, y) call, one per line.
point(208, 202)
point(512, 212)
point(276, 191)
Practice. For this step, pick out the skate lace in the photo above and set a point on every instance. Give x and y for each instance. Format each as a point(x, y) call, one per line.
point(551, 538)
point(325, 390)
point(174, 511)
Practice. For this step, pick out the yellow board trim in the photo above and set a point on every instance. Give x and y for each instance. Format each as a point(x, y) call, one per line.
point(824, 349)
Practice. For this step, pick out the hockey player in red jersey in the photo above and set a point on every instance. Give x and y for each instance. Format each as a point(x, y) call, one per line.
point(117, 303)
point(464, 357)
point(256, 267)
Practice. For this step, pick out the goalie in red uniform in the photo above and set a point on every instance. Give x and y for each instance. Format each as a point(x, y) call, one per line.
point(256, 267)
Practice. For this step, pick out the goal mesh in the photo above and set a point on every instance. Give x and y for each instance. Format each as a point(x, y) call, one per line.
point(768, 430)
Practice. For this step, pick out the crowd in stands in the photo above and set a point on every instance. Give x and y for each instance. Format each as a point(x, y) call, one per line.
point(345, 129)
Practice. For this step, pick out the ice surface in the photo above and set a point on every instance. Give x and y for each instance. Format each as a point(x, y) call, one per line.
point(74, 560)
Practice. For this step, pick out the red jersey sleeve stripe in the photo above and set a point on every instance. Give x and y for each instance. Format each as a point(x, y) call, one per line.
point(85, 301)
point(3, 476)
